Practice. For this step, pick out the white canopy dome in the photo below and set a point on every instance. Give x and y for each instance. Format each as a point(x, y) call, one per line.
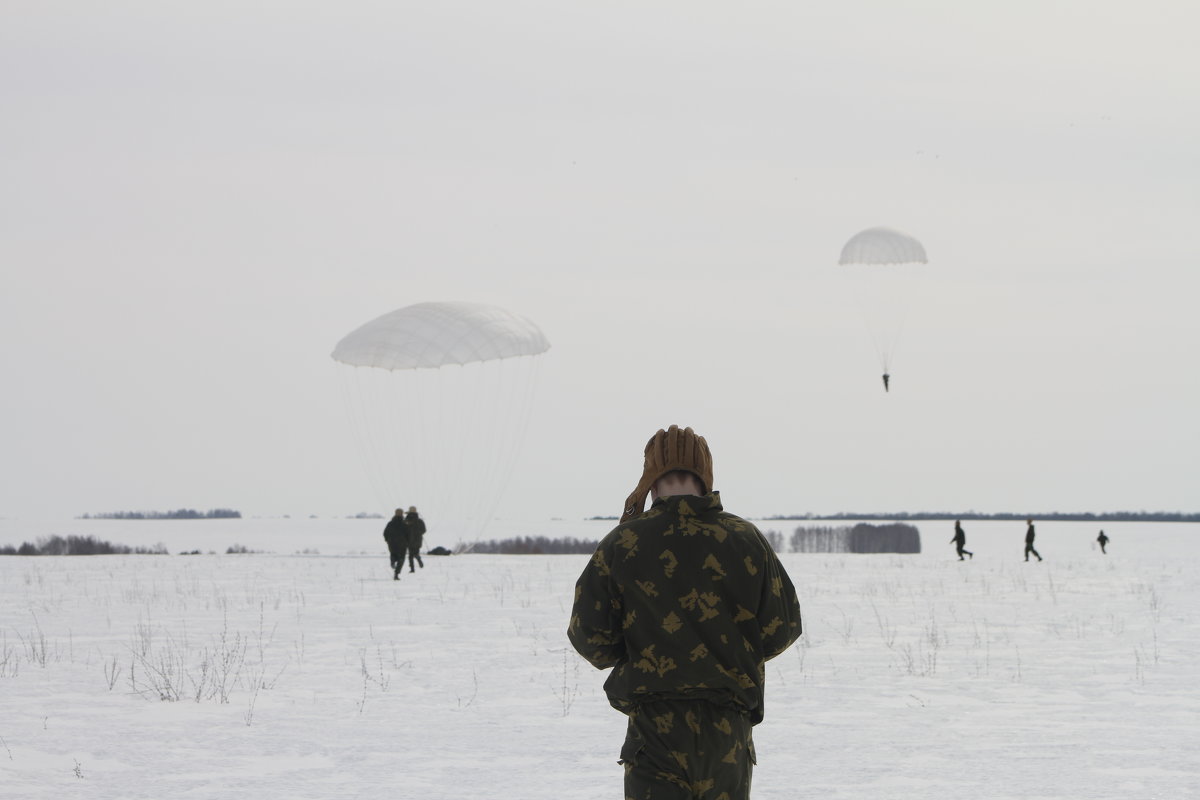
point(882, 246)
point(430, 335)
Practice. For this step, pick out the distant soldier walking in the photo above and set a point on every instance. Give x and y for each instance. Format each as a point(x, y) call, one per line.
point(1029, 534)
point(960, 541)
point(1103, 540)
point(685, 602)
point(416, 535)
point(396, 536)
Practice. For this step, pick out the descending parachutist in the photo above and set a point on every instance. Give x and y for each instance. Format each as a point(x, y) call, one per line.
point(882, 263)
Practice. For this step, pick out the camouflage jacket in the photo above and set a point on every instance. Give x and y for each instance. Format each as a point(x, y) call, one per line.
point(684, 601)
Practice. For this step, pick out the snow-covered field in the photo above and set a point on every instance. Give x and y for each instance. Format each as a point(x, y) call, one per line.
point(287, 675)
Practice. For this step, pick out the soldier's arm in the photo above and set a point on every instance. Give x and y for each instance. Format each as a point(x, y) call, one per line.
point(595, 628)
point(778, 608)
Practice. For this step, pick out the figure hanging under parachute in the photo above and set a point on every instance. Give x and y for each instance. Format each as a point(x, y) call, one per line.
point(882, 265)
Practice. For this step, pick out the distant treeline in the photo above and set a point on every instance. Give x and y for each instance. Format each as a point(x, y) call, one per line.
point(862, 538)
point(1051, 516)
point(183, 513)
point(78, 546)
point(531, 545)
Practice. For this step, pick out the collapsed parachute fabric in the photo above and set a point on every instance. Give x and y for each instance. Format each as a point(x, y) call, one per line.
point(882, 268)
point(438, 396)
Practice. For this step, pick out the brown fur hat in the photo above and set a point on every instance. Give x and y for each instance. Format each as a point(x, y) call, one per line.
point(669, 450)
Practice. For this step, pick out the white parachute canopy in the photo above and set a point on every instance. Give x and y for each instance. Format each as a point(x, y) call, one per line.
point(439, 396)
point(437, 334)
point(882, 267)
point(882, 246)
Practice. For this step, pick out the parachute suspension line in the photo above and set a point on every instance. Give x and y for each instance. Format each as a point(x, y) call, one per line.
point(886, 354)
point(462, 394)
point(433, 480)
point(870, 300)
point(352, 411)
point(903, 292)
point(521, 392)
point(485, 414)
point(441, 473)
point(453, 418)
point(881, 350)
point(480, 429)
point(518, 394)
point(355, 403)
point(883, 295)
point(402, 406)
point(405, 406)
point(367, 444)
point(505, 381)
point(486, 408)
point(381, 442)
point(423, 396)
point(393, 437)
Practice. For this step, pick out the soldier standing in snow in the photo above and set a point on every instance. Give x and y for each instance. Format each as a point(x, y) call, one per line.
point(396, 536)
point(960, 541)
point(686, 603)
point(1029, 541)
point(416, 534)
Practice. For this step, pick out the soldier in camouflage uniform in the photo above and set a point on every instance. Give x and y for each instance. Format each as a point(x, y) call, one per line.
point(686, 603)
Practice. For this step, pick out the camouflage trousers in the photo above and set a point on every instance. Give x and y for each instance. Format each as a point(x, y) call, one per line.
point(687, 750)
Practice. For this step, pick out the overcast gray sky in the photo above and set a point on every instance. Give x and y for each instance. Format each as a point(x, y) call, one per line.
point(197, 200)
